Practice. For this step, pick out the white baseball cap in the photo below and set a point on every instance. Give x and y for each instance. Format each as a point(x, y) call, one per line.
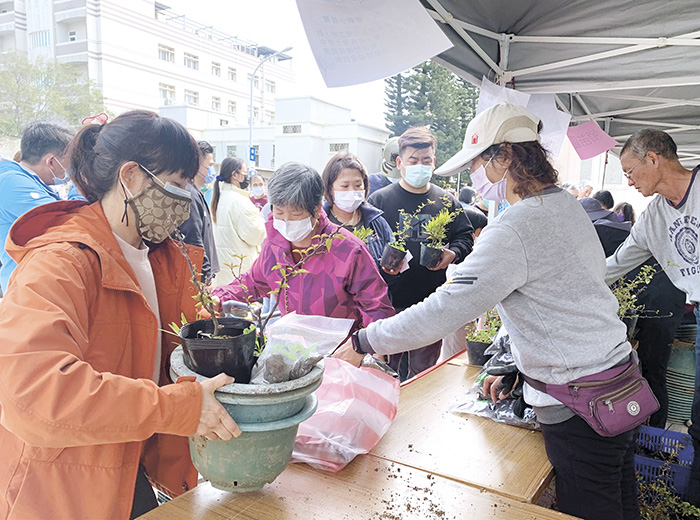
point(498, 124)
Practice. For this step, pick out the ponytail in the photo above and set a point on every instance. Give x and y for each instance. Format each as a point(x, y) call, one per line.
point(81, 152)
point(228, 167)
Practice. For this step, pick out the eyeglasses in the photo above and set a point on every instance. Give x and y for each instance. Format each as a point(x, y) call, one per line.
point(628, 173)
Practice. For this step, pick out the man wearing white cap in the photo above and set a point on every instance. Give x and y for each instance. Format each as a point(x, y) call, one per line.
point(541, 264)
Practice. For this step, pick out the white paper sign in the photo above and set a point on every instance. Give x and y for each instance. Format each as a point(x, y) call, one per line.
point(491, 94)
point(355, 41)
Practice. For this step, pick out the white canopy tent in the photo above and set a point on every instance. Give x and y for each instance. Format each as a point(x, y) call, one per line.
point(627, 64)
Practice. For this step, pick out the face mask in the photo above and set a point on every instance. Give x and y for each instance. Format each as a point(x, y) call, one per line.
point(258, 191)
point(210, 176)
point(487, 189)
point(58, 180)
point(418, 175)
point(159, 208)
point(294, 230)
point(349, 200)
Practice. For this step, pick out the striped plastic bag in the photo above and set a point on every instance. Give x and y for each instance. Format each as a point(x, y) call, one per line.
point(356, 406)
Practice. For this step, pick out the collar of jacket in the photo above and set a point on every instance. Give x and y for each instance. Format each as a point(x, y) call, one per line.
point(227, 186)
point(369, 212)
point(86, 224)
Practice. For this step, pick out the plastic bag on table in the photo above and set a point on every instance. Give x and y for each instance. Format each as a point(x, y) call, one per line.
point(295, 343)
point(512, 410)
point(356, 406)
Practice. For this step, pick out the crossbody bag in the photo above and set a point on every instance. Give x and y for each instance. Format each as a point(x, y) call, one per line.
point(611, 402)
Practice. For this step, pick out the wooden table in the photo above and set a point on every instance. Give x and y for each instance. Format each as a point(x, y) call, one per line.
point(368, 488)
point(430, 465)
point(497, 457)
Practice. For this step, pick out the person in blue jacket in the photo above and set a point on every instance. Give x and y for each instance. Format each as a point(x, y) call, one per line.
point(27, 184)
point(346, 191)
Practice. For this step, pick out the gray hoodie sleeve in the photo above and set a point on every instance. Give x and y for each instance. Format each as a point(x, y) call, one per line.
point(496, 267)
point(632, 253)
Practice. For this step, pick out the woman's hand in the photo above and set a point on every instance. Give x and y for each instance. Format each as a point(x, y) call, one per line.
point(490, 388)
point(214, 421)
point(446, 259)
point(346, 353)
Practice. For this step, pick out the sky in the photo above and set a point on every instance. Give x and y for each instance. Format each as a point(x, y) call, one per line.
point(276, 24)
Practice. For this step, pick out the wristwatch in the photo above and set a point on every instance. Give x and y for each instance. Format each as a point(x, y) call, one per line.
point(356, 343)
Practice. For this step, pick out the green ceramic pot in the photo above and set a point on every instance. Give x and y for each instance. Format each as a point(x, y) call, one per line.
point(267, 414)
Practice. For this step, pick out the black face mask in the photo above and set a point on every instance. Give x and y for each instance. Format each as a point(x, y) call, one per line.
point(244, 183)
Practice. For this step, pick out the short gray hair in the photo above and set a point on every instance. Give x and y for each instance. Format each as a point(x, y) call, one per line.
point(297, 185)
point(648, 140)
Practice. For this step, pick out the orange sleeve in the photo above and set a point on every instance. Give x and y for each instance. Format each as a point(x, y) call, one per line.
point(49, 395)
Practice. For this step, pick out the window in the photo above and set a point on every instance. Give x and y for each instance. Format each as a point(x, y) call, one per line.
point(216, 103)
point(256, 113)
point(338, 147)
point(231, 150)
point(232, 108)
point(216, 69)
point(166, 53)
point(72, 36)
point(231, 74)
point(256, 82)
point(291, 129)
point(269, 116)
point(270, 87)
point(223, 122)
point(167, 94)
point(39, 39)
point(191, 61)
point(256, 147)
point(191, 97)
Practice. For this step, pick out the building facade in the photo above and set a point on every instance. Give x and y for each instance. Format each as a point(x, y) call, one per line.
point(306, 129)
point(142, 55)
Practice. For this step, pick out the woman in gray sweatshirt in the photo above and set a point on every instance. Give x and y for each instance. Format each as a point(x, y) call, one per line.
point(541, 264)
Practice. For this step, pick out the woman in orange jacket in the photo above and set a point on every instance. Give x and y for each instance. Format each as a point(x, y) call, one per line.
point(88, 414)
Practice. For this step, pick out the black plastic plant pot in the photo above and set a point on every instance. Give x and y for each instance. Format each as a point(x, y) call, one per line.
point(475, 352)
point(430, 256)
point(234, 354)
point(392, 258)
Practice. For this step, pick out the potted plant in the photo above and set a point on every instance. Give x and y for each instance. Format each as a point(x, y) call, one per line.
point(395, 252)
point(436, 229)
point(363, 233)
point(480, 336)
point(626, 291)
point(267, 414)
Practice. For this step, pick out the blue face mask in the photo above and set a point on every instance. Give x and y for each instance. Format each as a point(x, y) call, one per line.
point(210, 176)
point(59, 180)
point(418, 175)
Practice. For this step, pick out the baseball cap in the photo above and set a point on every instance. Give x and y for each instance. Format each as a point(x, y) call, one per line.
point(498, 124)
point(391, 150)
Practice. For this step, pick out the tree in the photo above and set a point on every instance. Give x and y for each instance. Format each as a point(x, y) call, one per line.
point(432, 96)
point(43, 90)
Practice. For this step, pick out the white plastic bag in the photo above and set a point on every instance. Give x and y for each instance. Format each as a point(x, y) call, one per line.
point(356, 406)
point(295, 343)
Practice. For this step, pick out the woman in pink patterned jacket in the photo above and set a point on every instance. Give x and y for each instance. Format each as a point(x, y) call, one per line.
point(341, 283)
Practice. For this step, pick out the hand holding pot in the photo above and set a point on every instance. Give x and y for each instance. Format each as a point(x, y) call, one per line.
point(214, 421)
point(447, 258)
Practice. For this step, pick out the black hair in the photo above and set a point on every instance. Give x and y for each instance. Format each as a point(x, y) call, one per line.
point(229, 166)
point(160, 144)
point(40, 138)
point(466, 194)
point(205, 147)
point(337, 164)
point(605, 198)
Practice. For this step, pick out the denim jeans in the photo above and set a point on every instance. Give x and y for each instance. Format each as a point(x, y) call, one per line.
point(594, 475)
point(694, 430)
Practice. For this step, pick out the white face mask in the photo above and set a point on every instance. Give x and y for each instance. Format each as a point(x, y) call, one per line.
point(258, 191)
point(294, 230)
point(349, 200)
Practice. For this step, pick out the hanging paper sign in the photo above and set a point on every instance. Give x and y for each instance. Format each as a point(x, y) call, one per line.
point(356, 41)
point(590, 140)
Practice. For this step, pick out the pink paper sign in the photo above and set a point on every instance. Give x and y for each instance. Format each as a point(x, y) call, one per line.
point(590, 140)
